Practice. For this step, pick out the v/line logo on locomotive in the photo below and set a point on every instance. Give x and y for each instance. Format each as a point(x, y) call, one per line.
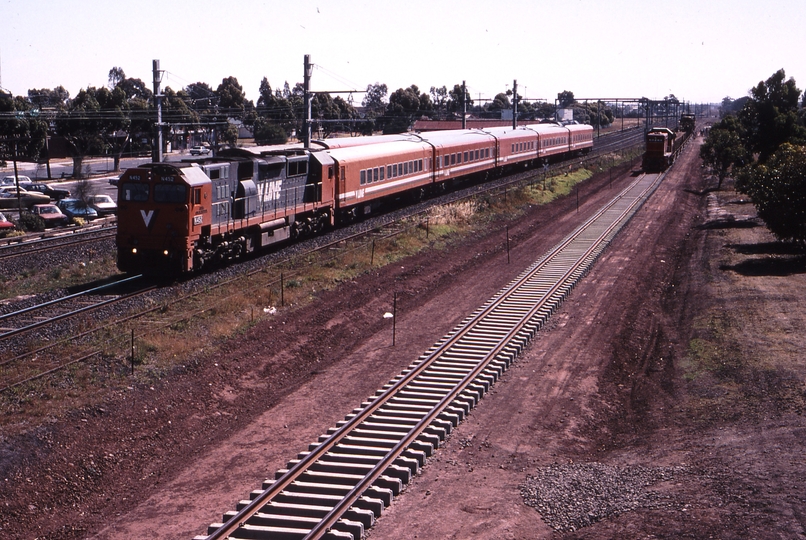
point(214, 209)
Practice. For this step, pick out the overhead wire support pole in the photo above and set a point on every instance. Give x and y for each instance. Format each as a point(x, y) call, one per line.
point(306, 85)
point(515, 104)
point(464, 105)
point(156, 153)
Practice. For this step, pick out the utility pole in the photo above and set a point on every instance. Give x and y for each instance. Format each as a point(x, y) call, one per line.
point(156, 153)
point(515, 104)
point(464, 106)
point(306, 85)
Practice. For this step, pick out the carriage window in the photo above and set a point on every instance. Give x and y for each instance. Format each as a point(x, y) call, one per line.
point(135, 191)
point(389, 171)
point(420, 165)
point(170, 193)
point(214, 174)
point(363, 177)
point(375, 175)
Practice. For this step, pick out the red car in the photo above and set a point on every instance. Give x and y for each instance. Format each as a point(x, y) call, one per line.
point(50, 214)
point(5, 225)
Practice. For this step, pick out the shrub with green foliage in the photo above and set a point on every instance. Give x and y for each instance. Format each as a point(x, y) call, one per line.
point(31, 222)
point(778, 190)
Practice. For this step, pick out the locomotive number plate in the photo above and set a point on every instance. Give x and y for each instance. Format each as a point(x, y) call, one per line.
point(197, 220)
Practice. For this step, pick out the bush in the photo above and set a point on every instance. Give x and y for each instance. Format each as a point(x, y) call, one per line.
point(778, 190)
point(31, 222)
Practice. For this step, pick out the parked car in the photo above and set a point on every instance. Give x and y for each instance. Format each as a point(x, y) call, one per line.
point(114, 180)
point(46, 189)
point(6, 226)
point(9, 180)
point(199, 151)
point(50, 214)
point(75, 208)
point(8, 197)
point(103, 204)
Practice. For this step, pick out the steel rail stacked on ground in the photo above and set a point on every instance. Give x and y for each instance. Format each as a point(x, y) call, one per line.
point(339, 487)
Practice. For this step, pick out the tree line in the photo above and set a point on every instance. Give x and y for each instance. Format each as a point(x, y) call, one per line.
point(760, 142)
point(119, 118)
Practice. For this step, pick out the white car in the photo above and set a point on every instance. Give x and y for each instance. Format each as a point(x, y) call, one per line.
point(103, 204)
point(9, 180)
point(199, 151)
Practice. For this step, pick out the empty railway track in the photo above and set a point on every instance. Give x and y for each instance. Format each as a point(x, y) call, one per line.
point(340, 485)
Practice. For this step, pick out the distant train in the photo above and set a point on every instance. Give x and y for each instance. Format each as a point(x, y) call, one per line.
point(181, 217)
point(659, 153)
point(662, 144)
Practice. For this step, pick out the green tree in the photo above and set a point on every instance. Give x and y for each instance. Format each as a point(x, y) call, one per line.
point(83, 126)
point(439, 97)
point(722, 151)
point(770, 117)
point(405, 106)
point(275, 108)
point(778, 190)
point(500, 102)
point(231, 97)
point(565, 99)
point(22, 129)
point(266, 131)
point(374, 102)
point(455, 100)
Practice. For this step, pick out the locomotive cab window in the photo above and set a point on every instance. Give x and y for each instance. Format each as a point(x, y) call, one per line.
point(135, 191)
point(170, 193)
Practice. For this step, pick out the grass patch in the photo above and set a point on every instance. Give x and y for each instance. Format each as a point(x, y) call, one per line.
point(35, 281)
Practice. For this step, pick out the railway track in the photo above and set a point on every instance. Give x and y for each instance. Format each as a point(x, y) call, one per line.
point(340, 485)
point(40, 315)
point(54, 239)
point(32, 333)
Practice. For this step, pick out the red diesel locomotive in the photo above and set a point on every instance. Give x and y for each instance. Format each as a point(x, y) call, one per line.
point(181, 217)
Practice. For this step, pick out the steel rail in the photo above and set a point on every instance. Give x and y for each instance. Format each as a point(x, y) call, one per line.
point(57, 301)
point(427, 361)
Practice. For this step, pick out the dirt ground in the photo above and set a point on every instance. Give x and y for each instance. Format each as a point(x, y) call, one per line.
point(681, 350)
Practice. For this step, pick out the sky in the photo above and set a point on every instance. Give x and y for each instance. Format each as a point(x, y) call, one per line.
point(699, 50)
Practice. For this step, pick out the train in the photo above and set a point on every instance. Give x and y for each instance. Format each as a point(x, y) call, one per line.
point(662, 144)
point(182, 217)
point(660, 147)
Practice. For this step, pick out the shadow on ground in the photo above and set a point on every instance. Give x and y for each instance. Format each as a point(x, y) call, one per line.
point(772, 265)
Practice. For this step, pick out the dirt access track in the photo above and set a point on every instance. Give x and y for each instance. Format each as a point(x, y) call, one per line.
point(664, 400)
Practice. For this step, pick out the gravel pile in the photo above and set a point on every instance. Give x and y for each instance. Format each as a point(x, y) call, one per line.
point(570, 497)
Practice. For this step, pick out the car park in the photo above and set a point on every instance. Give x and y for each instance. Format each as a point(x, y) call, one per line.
point(9, 180)
point(9, 198)
point(50, 214)
point(46, 189)
point(199, 151)
point(103, 204)
point(6, 226)
point(75, 208)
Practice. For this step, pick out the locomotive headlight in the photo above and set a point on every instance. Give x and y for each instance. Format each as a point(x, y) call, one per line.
point(165, 252)
point(134, 251)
